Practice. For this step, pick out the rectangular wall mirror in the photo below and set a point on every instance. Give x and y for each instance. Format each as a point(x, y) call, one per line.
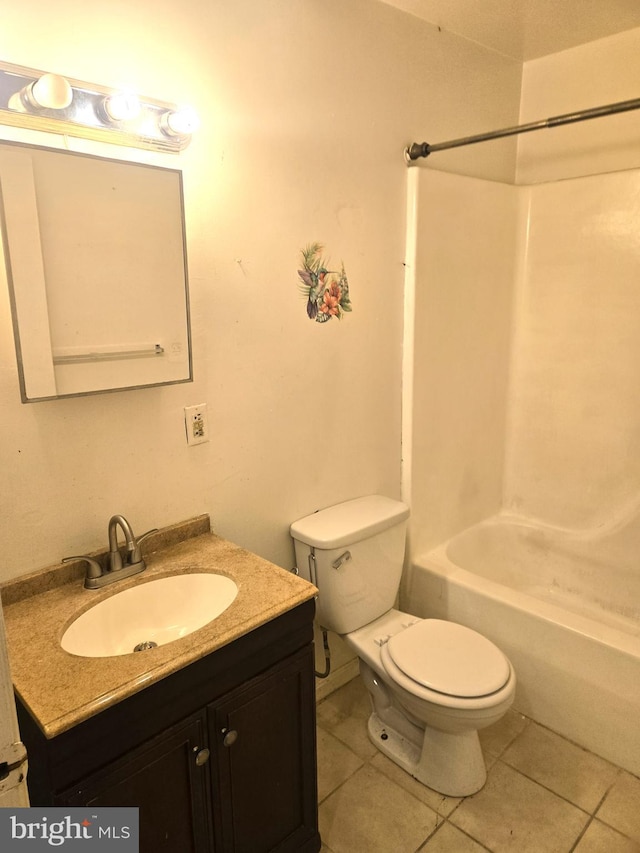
point(95, 255)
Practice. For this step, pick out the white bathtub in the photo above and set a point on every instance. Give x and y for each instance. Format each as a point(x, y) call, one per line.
point(564, 607)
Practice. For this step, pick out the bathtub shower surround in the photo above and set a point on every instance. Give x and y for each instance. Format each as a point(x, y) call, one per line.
point(574, 454)
point(525, 463)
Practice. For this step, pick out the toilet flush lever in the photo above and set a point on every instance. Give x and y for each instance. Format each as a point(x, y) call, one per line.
point(343, 558)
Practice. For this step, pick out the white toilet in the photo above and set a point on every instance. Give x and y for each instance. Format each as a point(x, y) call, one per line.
point(432, 683)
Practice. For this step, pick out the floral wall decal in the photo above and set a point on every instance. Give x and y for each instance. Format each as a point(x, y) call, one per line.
point(326, 291)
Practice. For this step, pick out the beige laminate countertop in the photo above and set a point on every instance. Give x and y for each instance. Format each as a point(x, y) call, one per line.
point(61, 690)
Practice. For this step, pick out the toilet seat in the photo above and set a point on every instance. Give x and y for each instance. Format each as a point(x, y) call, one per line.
point(449, 660)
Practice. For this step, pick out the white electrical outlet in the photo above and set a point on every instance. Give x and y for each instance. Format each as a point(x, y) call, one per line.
point(196, 423)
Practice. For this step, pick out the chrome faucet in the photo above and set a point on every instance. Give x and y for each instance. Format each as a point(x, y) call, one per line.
point(118, 567)
point(115, 557)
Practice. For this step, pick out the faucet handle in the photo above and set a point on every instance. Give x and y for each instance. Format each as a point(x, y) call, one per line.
point(94, 569)
point(144, 535)
point(135, 553)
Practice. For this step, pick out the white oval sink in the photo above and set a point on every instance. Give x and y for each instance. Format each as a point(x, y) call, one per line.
point(157, 612)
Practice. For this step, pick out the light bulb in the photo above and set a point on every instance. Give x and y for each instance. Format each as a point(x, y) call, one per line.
point(123, 106)
point(182, 122)
point(50, 91)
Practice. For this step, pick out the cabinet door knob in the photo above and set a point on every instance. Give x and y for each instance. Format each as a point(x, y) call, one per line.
point(202, 757)
point(230, 737)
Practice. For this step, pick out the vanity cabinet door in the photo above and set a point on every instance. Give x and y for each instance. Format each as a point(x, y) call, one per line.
point(167, 778)
point(263, 739)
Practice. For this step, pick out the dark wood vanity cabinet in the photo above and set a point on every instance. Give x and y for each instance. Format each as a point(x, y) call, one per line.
point(163, 779)
point(220, 757)
point(262, 748)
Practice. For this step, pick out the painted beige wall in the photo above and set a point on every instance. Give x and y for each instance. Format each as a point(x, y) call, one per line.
point(306, 108)
point(595, 74)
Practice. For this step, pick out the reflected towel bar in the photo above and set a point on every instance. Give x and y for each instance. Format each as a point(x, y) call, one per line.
point(107, 354)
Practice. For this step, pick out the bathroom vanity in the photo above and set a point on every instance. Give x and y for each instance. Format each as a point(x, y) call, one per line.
point(211, 736)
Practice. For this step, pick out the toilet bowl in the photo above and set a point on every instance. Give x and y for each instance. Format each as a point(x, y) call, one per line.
point(433, 684)
point(427, 719)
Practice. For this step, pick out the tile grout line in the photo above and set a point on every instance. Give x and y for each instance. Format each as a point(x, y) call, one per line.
point(555, 793)
point(593, 817)
point(425, 844)
point(344, 781)
point(582, 833)
point(429, 837)
point(604, 822)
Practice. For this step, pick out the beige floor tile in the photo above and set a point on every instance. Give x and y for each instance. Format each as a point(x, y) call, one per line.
point(572, 772)
point(353, 733)
point(345, 714)
point(512, 813)
point(371, 814)
point(496, 738)
point(621, 808)
point(436, 801)
point(600, 838)
point(335, 763)
point(350, 700)
point(449, 839)
point(370, 805)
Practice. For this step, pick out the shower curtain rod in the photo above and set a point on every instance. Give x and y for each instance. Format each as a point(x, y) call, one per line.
point(423, 149)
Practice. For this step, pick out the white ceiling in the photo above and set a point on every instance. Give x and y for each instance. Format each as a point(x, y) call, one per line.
point(527, 29)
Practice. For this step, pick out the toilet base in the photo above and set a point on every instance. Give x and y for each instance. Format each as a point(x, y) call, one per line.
point(451, 764)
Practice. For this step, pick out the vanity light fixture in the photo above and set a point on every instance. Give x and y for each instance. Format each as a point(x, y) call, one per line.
point(50, 102)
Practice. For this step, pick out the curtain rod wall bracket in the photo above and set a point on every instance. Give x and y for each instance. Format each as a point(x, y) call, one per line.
point(423, 149)
point(417, 149)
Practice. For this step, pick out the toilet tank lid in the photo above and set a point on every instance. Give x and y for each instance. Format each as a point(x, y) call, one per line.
point(349, 522)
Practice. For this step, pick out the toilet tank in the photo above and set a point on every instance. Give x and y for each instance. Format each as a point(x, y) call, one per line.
point(353, 552)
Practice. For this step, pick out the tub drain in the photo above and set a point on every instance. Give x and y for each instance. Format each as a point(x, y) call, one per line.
point(148, 644)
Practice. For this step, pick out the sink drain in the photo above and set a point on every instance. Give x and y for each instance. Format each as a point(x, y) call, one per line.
point(148, 644)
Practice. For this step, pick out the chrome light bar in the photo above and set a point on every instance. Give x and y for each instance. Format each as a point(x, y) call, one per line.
point(43, 101)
